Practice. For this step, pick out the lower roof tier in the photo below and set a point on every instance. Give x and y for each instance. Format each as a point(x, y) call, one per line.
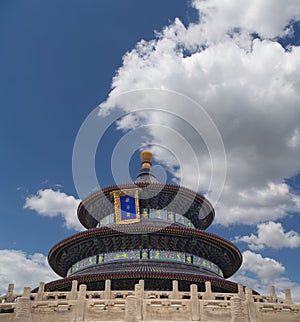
point(172, 238)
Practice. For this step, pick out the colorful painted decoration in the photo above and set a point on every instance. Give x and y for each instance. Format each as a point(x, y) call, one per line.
point(86, 262)
point(136, 254)
point(126, 206)
point(113, 256)
point(128, 215)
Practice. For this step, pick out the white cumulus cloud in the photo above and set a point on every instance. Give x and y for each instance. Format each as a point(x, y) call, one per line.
point(51, 203)
point(22, 269)
point(269, 18)
point(260, 273)
point(264, 267)
point(271, 235)
point(249, 86)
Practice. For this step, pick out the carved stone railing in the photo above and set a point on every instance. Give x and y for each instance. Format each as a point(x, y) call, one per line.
point(78, 304)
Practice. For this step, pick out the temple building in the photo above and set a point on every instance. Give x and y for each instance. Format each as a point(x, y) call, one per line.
point(145, 230)
point(145, 256)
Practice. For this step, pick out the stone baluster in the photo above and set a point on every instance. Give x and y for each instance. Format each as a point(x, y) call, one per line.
point(208, 293)
point(175, 294)
point(142, 283)
point(82, 292)
point(288, 296)
point(131, 309)
point(73, 294)
point(272, 294)
point(10, 293)
point(249, 294)
point(250, 305)
point(138, 295)
point(26, 292)
point(23, 310)
point(80, 305)
point(195, 309)
point(241, 292)
point(107, 291)
point(40, 292)
point(236, 307)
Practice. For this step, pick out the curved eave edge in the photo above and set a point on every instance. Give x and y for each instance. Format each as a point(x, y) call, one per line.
point(82, 236)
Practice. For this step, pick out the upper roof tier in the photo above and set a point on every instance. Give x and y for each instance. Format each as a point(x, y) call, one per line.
point(152, 195)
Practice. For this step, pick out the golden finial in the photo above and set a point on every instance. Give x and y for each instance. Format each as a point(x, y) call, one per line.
point(146, 158)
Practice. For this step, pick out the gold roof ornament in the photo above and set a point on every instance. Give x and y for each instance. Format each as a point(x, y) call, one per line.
point(146, 158)
point(145, 173)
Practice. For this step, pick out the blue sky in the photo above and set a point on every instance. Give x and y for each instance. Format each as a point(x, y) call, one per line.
point(61, 59)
